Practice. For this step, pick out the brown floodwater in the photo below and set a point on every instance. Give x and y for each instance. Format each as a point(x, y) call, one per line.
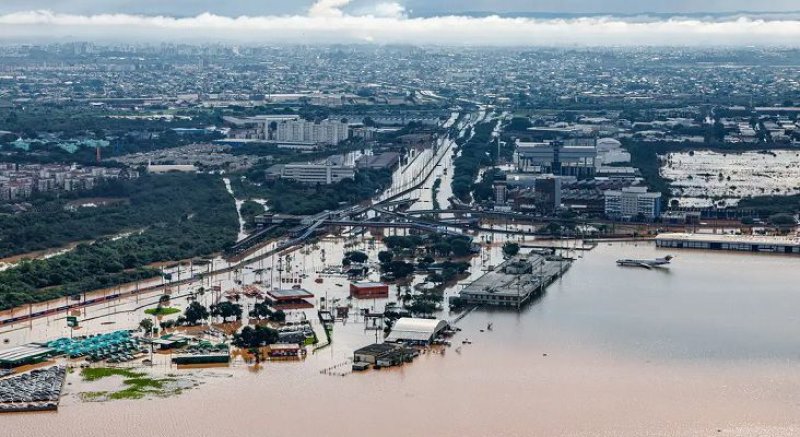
point(706, 347)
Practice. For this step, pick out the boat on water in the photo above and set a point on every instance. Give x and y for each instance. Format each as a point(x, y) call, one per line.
point(645, 263)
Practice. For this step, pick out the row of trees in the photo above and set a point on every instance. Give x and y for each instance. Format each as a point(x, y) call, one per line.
point(251, 337)
point(196, 313)
point(476, 152)
point(289, 197)
point(435, 244)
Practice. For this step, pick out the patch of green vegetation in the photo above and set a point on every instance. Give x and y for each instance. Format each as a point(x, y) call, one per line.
point(137, 385)
point(144, 202)
point(95, 373)
point(93, 395)
point(249, 210)
point(161, 311)
point(477, 152)
point(289, 197)
point(140, 387)
point(72, 120)
point(184, 216)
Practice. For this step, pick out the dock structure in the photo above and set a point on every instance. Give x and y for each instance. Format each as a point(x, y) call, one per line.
point(741, 243)
point(515, 282)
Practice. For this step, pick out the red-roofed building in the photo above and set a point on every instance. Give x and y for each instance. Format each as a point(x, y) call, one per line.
point(369, 290)
point(289, 299)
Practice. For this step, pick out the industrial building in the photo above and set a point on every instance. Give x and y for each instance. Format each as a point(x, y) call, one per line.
point(555, 157)
point(202, 358)
point(313, 173)
point(632, 202)
point(385, 160)
point(514, 282)
point(383, 354)
point(412, 330)
point(740, 243)
point(24, 355)
point(292, 350)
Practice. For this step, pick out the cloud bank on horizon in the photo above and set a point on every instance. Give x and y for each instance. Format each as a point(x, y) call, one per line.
point(327, 21)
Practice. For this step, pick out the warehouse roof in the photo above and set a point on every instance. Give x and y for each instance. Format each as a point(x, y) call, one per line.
point(414, 329)
point(21, 354)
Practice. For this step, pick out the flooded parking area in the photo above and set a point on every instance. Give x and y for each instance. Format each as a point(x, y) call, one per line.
point(705, 178)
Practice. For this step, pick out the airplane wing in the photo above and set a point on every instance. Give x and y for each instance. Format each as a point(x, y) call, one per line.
point(646, 265)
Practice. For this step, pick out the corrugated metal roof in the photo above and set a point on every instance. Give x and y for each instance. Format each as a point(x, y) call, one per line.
point(23, 352)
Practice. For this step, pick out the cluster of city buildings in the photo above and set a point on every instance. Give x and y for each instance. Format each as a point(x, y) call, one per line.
point(288, 129)
point(586, 175)
point(190, 158)
point(20, 181)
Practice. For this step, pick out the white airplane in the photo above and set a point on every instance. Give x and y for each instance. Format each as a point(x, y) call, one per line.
point(646, 263)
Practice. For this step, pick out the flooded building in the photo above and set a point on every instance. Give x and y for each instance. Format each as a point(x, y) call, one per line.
point(24, 355)
point(514, 282)
point(416, 331)
point(741, 243)
point(290, 299)
point(369, 290)
point(382, 354)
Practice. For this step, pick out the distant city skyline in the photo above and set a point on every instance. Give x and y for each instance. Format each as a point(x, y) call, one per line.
point(446, 22)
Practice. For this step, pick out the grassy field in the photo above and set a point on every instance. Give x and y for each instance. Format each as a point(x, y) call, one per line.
point(161, 311)
point(137, 385)
point(93, 374)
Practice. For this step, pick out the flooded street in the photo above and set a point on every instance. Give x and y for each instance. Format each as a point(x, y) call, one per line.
point(704, 178)
point(242, 234)
point(706, 347)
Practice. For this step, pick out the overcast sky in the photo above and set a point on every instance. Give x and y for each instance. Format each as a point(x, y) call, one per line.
point(427, 7)
point(405, 21)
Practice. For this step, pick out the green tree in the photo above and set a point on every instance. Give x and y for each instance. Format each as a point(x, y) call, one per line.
point(163, 300)
point(460, 247)
point(195, 312)
point(146, 325)
point(356, 256)
point(782, 220)
point(510, 249)
point(251, 337)
point(226, 310)
point(385, 256)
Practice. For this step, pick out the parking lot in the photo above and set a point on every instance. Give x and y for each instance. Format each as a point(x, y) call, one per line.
point(38, 389)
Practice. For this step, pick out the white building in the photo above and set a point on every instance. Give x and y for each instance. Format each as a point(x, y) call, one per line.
point(631, 202)
point(304, 131)
point(313, 174)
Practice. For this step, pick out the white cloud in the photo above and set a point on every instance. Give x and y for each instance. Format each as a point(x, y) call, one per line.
point(327, 8)
point(384, 9)
point(326, 23)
